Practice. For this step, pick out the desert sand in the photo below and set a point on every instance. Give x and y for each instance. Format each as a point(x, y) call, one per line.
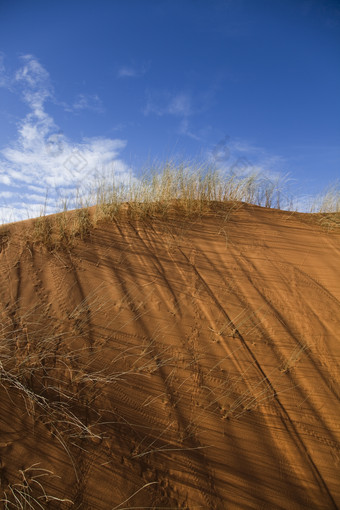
point(186, 362)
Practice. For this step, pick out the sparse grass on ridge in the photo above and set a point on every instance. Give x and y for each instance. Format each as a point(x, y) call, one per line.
point(189, 189)
point(327, 205)
point(327, 202)
point(60, 230)
point(192, 189)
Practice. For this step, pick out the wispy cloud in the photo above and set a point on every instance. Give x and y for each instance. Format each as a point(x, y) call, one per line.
point(164, 103)
point(127, 72)
point(88, 102)
point(35, 83)
point(132, 71)
point(42, 155)
point(242, 159)
point(3, 77)
point(179, 105)
point(185, 129)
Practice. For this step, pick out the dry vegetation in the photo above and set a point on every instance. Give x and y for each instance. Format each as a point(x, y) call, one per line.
point(29, 491)
point(66, 368)
point(325, 208)
point(189, 190)
point(185, 190)
point(62, 380)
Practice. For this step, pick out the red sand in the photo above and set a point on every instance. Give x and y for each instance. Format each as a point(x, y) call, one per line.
point(193, 363)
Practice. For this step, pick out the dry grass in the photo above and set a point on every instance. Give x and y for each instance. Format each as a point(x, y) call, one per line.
point(59, 384)
point(328, 201)
point(53, 381)
point(189, 190)
point(327, 208)
point(47, 380)
point(29, 492)
point(296, 354)
point(60, 230)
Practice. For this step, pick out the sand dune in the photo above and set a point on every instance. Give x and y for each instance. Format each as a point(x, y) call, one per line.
point(179, 363)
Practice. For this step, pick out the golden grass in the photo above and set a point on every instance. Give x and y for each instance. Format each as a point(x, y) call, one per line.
point(327, 208)
point(29, 492)
point(328, 201)
point(189, 190)
point(60, 230)
point(192, 189)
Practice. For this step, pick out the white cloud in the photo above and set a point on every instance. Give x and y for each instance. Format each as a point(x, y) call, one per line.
point(178, 104)
point(242, 159)
point(88, 102)
point(132, 71)
point(183, 106)
point(35, 84)
point(4, 179)
point(3, 77)
point(184, 129)
point(43, 158)
point(127, 72)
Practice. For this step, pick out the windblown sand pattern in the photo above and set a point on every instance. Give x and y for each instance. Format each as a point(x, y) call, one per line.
point(186, 362)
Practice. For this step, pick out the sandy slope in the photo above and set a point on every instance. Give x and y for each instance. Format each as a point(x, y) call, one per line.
point(202, 355)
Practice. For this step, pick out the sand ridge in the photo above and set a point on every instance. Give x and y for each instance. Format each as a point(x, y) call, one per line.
point(184, 363)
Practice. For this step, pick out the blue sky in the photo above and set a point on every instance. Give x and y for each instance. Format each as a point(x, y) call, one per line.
point(94, 86)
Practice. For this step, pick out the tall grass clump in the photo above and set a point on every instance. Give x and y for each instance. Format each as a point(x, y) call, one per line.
point(61, 229)
point(190, 188)
point(327, 204)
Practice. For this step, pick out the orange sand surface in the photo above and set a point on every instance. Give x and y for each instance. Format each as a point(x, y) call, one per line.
point(172, 363)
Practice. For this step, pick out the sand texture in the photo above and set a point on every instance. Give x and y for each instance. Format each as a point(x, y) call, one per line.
point(180, 363)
